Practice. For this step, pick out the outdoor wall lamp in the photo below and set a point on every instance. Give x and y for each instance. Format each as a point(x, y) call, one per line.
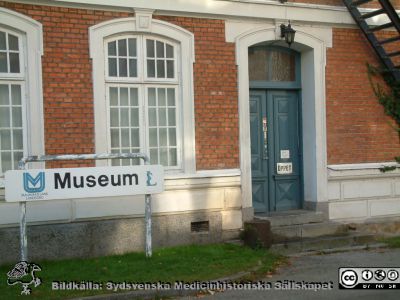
point(288, 33)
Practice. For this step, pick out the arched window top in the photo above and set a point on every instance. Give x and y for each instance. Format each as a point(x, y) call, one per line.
point(271, 64)
point(141, 57)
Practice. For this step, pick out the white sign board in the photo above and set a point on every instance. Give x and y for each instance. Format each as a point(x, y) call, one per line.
point(284, 168)
point(285, 154)
point(50, 184)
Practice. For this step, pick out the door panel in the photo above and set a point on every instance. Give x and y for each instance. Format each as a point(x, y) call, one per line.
point(259, 166)
point(276, 172)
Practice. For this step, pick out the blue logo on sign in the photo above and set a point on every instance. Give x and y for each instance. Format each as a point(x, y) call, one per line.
point(34, 184)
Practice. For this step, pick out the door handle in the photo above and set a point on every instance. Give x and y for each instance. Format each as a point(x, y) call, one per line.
point(265, 136)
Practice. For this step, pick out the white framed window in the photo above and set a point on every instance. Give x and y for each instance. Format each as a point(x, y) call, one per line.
point(142, 95)
point(21, 113)
point(143, 92)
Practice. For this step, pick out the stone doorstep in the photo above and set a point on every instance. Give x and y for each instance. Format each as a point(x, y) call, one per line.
point(297, 232)
point(294, 217)
point(324, 243)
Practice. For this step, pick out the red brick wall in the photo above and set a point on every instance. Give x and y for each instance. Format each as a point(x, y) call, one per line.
point(68, 95)
point(216, 98)
point(357, 129)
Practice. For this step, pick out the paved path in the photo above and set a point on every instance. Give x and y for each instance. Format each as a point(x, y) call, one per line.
point(324, 268)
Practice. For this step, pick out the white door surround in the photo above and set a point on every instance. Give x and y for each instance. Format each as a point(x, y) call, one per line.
point(312, 45)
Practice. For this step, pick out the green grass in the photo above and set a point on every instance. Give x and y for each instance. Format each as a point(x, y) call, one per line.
point(393, 242)
point(183, 263)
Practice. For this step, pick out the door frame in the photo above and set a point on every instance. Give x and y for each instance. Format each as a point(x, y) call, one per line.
point(312, 43)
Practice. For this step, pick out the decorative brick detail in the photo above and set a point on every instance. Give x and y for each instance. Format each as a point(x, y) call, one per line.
point(358, 131)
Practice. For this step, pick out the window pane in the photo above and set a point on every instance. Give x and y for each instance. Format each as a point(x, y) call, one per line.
point(164, 156)
point(17, 158)
point(3, 62)
point(154, 156)
point(4, 97)
point(115, 162)
point(135, 117)
point(132, 47)
point(113, 96)
point(152, 117)
point(12, 42)
point(282, 66)
point(112, 48)
point(266, 64)
point(162, 116)
point(123, 94)
point(14, 62)
point(4, 117)
point(114, 117)
point(5, 139)
point(17, 116)
point(258, 64)
point(170, 51)
point(132, 68)
point(172, 136)
point(161, 97)
point(125, 162)
point(122, 47)
point(123, 72)
point(112, 67)
point(6, 163)
point(152, 97)
point(135, 137)
point(134, 97)
point(3, 41)
point(17, 139)
point(153, 137)
point(15, 94)
point(150, 48)
point(163, 137)
point(171, 117)
point(160, 69)
point(170, 69)
point(114, 138)
point(160, 49)
point(151, 71)
point(171, 97)
point(173, 157)
point(125, 137)
point(124, 117)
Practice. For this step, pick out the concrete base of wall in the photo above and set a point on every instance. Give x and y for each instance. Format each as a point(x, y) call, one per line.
point(106, 237)
point(322, 207)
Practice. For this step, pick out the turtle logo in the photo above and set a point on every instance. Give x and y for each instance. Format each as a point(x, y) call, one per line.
point(24, 273)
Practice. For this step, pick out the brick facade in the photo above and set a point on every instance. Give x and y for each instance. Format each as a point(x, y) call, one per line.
point(68, 94)
point(357, 129)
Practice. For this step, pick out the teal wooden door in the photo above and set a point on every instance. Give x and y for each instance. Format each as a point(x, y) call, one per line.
point(275, 150)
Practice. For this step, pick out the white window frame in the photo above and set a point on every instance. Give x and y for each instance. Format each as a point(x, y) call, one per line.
point(159, 30)
point(30, 35)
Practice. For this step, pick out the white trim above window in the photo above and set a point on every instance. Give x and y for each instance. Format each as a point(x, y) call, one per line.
point(29, 34)
point(170, 38)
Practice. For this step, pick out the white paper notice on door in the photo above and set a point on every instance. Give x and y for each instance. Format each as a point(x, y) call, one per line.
point(285, 154)
point(284, 168)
